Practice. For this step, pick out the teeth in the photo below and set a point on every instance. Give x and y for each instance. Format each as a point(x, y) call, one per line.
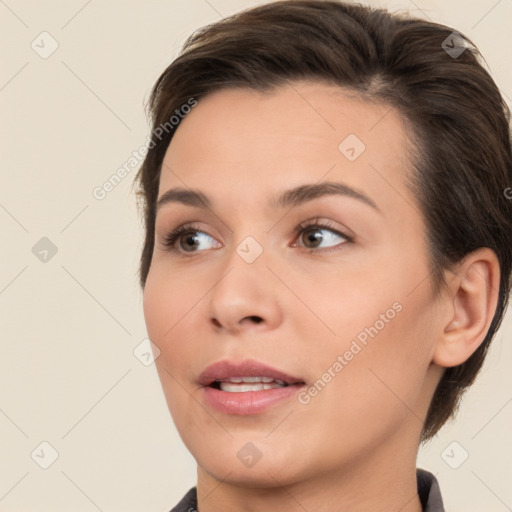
point(243, 384)
point(254, 379)
point(231, 387)
point(251, 379)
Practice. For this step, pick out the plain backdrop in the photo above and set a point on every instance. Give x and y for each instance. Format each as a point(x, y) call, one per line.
point(74, 395)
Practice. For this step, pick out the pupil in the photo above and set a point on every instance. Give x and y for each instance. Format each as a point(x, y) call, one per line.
point(191, 239)
point(314, 236)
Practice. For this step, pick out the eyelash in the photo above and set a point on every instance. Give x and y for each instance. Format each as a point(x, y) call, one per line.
point(171, 237)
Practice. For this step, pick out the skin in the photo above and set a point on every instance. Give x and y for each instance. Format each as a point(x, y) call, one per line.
point(353, 447)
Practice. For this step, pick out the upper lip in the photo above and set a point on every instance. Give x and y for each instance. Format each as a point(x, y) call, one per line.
point(223, 370)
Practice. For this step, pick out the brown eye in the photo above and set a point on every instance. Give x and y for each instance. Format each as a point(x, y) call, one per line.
point(314, 235)
point(186, 238)
point(190, 241)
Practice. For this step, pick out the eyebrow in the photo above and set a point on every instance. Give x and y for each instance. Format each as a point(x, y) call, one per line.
point(289, 198)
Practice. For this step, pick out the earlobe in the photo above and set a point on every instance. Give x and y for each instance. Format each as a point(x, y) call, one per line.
point(472, 300)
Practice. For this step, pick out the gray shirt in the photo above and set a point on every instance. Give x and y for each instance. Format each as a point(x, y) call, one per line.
point(428, 491)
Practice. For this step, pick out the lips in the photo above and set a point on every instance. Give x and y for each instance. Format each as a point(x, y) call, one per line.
point(248, 387)
point(247, 372)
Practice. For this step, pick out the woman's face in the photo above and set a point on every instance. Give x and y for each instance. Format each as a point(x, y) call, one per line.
point(329, 286)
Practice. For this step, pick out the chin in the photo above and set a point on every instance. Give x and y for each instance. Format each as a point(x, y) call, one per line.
point(240, 462)
point(261, 476)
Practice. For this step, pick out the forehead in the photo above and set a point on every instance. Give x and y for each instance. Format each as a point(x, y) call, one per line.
point(297, 133)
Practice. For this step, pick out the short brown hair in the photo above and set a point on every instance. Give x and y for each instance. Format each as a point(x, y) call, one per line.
point(459, 122)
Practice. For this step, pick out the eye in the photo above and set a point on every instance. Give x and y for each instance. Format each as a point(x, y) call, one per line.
point(314, 238)
point(188, 238)
point(193, 239)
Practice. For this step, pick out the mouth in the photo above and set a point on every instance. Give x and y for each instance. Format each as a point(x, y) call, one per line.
point(245, 384)
point(245, 376)
point(248, 387)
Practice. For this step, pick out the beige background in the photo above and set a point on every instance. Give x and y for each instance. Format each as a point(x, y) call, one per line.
point(69, 325)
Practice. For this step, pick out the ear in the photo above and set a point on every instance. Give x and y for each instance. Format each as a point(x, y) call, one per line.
point(471, 303)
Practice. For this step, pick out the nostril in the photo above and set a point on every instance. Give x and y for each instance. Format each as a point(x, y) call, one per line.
point(256, 319)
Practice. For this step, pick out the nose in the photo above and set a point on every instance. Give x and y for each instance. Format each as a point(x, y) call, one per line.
point(245, 297)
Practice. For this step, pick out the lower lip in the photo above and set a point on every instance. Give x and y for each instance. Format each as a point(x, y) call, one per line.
point(248, 402)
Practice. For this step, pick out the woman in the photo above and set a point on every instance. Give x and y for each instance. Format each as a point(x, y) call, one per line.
point(327, 253)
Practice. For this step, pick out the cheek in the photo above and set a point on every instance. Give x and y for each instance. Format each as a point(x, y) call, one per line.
point(371, 398)
point(384, 365)
point(164, 303)
point(381, 347)
point(165, 314)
